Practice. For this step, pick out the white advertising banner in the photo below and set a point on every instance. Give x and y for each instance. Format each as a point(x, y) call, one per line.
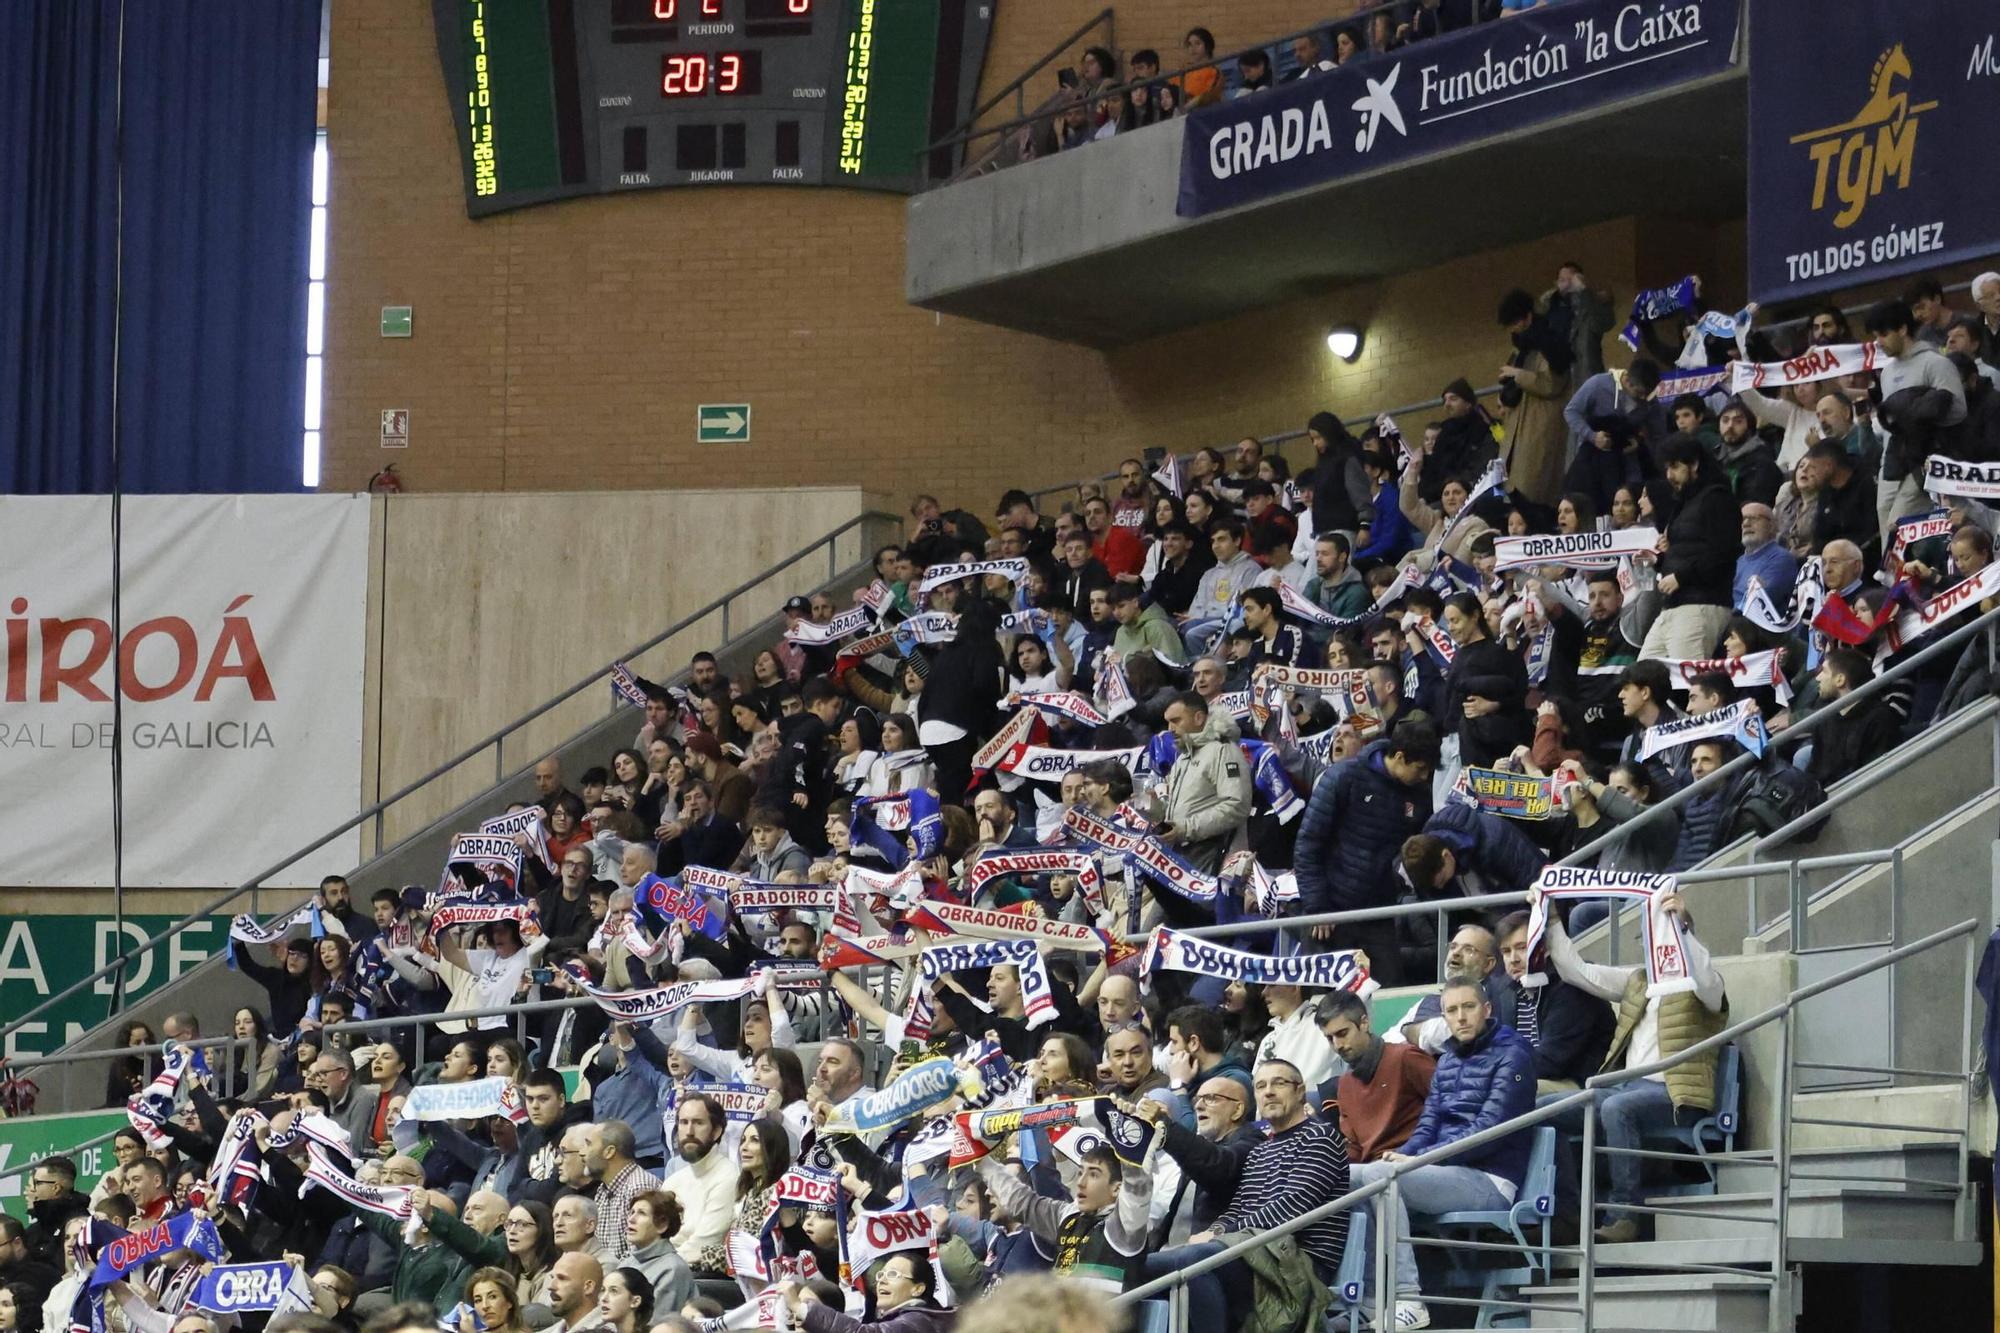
point(242, 661)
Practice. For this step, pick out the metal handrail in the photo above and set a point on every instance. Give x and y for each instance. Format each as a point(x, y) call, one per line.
point(1528, 1120)
point(966, 131)
point(251, 886)
point(1279, 440)
point(1963, 634)
point(1933, 736)
point(1104, 17)
point(1439, 907)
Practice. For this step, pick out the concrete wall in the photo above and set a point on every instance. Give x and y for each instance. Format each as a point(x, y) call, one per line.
point(566, 347)
point(482, 606)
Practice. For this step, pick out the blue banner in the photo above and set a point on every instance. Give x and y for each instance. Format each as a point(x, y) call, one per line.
point(234, 1288)
point(1862, 156)
point(1449, 92)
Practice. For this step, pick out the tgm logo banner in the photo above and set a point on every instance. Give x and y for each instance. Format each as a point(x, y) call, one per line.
point(238, 659)
point(1447, 93)
point(1862, 157)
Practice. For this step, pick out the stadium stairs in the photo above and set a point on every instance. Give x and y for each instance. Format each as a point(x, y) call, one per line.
point(737, 625)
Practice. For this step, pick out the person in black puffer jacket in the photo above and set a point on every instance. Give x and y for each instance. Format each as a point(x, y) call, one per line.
point(1341, 494)
point(1704, 538)
point(1486, 689)
point(1352, 832)
point(1464, 446)
point(962, 689)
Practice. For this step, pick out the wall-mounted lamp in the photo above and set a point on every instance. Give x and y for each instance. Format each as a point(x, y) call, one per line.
point(1344, 341)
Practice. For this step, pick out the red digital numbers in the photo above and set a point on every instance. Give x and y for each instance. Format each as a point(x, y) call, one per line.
point(665, 9)
point(724, 74)
point(799, 6)
point(684, 76)
point(711, 9)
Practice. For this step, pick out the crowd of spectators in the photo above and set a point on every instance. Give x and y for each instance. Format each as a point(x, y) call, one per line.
point(1145, 663)
point(1097, 98)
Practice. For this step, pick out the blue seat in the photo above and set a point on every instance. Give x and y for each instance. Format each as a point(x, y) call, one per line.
point(1526, 1221)
point(1715, 1132)
point(1534, 1205)
point(1353, 1275)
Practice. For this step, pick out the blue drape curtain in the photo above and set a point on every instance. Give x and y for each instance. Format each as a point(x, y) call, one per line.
point(215, 166)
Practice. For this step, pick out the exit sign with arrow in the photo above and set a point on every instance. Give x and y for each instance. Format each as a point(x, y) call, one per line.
point(722, 423)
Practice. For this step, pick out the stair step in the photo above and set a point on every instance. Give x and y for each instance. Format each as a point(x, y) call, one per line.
point(1748, 1252)
point(1935, 1163)
point(1680, 1302)
point(1817, 1212)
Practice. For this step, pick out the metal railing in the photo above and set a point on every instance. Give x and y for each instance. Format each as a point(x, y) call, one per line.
point(1277, 442)
point(1385, 1193)
point(497, 742)
point(970, 130)
point(1986, 625)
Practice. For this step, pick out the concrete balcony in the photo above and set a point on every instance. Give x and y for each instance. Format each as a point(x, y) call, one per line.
point(1087, 247)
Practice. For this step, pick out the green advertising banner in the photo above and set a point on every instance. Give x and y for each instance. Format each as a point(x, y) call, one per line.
point(42, 954)
point(25, 1142)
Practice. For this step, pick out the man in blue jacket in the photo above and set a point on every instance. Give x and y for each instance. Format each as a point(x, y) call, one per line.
point(1485, 1076)
point(1361, 811)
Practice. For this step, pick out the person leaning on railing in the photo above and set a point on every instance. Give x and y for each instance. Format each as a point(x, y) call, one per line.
point(1650, 1028)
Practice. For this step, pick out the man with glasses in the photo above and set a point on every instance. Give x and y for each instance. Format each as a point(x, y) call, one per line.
point(1211, 1157)
point(333, 1075)
point(52, 1201)
point(427, 1270)
point(1485, 1076)
point(564, 907)
point(16, 1263)
point(1299, 1164)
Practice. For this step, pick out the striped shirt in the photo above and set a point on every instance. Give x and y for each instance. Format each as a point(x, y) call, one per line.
point(1526, 1012)
point(1291, 1172)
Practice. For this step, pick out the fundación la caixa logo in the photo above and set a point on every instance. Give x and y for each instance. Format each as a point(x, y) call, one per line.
point(1854, 160)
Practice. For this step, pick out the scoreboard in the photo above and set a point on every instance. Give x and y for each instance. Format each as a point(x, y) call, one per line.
point(557, 98)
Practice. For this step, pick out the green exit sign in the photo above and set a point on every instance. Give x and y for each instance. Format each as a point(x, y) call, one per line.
point(722, 423)
point(395, 321)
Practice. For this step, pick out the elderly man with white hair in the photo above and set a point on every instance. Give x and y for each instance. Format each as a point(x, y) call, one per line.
point(1764, 558)
point(1986, 295)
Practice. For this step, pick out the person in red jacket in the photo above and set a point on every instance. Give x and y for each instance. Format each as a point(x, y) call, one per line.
point(1380, 1098)
point(1118, 549)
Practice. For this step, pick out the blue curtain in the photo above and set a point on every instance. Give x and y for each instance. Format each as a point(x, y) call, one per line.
point(215, 167)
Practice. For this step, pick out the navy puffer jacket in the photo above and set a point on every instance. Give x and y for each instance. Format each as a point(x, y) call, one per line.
point(1702, 823)
point(1488, 847)
point(1353, 829)
point(1478, 1085)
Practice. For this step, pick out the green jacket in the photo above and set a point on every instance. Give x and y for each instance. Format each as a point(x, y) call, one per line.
point(434, 1274)
point(1154, 629)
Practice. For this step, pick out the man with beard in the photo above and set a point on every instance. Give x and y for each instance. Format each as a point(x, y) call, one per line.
point(705, 1184)
point(1748, 461)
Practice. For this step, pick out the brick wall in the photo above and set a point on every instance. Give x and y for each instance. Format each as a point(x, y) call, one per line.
point(566, 347)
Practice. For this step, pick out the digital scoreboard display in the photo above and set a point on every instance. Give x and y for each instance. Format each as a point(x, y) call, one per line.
point(558, 98)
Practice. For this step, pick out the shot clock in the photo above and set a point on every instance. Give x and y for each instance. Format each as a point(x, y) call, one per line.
point(558, 98)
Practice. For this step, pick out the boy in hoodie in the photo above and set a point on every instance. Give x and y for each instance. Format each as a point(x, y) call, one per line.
point(1234, 571)
point(1100, 1237)
point(772, 851)
point(1143, 628)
